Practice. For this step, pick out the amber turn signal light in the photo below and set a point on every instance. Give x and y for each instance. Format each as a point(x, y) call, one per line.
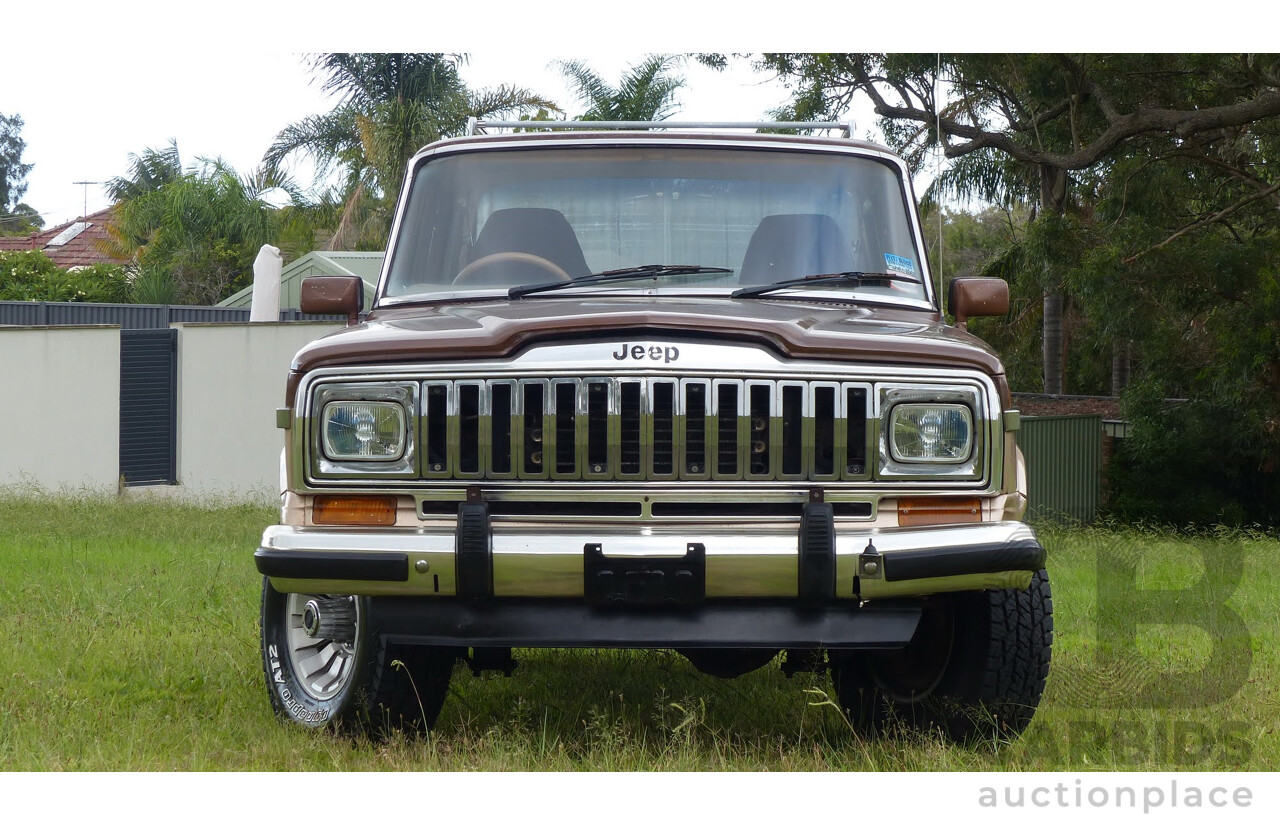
point(364, 511)
point(921, 512)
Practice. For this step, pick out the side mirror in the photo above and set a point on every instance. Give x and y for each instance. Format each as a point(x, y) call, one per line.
point(977, 297)
point(333, 295)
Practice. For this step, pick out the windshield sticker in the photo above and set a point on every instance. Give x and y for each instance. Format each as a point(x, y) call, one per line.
point(895, 264)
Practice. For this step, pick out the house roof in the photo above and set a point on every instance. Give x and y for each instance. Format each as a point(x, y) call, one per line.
point(70, 244)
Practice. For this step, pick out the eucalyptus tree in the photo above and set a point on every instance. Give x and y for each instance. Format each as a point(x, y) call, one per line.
point(1046, 128)
point(15, 217)
point(647, 91)
point(389, 106)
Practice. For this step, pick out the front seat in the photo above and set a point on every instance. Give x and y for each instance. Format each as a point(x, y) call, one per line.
point(542, 232)
point(793, 246)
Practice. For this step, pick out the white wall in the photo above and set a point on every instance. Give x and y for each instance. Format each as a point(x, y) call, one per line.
point(60, 408)
point(231, 380)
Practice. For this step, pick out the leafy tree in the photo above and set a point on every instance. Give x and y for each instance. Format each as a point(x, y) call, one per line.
point(16, 218)
point(33, 276)
point(194, 233)
point(21, 220)
point(1153, 243)
point(1032, 126)
point(390, 106)
point(646, 92)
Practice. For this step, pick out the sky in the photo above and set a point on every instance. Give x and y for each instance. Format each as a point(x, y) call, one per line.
point(233, 109)
point(102, 82)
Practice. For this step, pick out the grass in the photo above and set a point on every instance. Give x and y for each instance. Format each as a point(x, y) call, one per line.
point(129, 641)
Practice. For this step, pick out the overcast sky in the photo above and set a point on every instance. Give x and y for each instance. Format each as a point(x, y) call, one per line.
point(98, 83)
point(78, 130)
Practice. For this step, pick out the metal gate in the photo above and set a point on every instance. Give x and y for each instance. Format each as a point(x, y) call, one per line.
point(148, 406)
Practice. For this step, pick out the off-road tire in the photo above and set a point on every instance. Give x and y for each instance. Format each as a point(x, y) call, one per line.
point(383, 686)
point(988, 686)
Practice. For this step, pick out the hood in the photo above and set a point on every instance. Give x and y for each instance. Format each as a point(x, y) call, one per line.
point(501, 328)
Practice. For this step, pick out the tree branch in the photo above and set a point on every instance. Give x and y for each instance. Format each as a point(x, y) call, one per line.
point(1205, 222)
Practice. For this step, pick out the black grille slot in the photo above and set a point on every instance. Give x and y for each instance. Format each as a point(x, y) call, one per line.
point(500, 428)
point(629, 462)
point(727, 426)
point(566, 427)
point(468, 428)
point(856, 424)
point(760, 419)
point(824, 431)
point(598, 427)
point(664, 428)
point(792, 430)
point(695, 428)
point(437, 429)
point(591, 509)
point(533, 406)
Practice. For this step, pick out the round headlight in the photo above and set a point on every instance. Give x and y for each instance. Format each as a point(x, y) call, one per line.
point(940, 433)
point(363, 430)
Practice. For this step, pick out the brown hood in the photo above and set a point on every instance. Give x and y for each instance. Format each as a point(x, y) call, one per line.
point(501, 328)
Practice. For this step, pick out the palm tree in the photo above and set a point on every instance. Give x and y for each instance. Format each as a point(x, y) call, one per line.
point(646, 92)
point(193, 233)
point(148, 171)
point(390, 106)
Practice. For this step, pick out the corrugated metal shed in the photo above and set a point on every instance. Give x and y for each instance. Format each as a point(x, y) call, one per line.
point(1064, 466)
point(364, 265)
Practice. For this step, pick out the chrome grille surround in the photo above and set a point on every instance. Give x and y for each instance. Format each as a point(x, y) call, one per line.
point(569, 418)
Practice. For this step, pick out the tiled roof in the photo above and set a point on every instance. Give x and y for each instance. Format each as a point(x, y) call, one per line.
point(80, 250)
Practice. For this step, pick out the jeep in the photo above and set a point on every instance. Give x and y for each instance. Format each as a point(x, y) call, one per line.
point(639, 386)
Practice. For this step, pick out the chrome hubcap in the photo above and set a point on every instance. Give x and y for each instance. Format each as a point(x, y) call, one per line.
point(321, 650)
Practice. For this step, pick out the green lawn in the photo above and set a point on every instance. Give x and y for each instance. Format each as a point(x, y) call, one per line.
point(128, 641)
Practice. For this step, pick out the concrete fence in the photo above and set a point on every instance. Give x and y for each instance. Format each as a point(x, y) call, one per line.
point(60, 408)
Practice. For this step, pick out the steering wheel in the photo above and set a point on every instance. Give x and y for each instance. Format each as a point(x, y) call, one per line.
point(489, 264)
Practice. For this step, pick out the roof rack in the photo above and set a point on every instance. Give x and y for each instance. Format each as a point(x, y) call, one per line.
point(475, 127)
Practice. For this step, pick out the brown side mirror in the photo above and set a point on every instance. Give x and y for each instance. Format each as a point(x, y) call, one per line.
point(333, 295)
point(976, 298)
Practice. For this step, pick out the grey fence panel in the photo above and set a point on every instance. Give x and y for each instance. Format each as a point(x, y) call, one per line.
point(210, 315)
point(20, 314)
point(148, 406)
point(132, 316)
point(1064, 466)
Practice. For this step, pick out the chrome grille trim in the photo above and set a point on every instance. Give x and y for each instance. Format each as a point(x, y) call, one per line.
point(644, 428)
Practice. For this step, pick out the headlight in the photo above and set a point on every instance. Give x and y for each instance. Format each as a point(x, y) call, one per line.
point(935, 433)
point(363, 430)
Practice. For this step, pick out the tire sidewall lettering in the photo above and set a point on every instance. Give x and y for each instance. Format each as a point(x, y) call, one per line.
point(290, 696)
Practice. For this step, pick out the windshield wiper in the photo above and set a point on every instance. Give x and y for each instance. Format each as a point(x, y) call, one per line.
point(850, 278)
point(630, 273)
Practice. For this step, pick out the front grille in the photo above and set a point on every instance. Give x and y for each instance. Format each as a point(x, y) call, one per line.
point(644, 429)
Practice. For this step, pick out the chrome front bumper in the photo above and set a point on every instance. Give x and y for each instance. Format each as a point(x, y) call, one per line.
point(759, 562)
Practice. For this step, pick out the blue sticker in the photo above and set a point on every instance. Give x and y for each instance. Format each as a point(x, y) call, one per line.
point(895, 264)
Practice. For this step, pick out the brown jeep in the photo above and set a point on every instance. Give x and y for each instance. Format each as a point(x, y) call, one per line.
point(686, 389)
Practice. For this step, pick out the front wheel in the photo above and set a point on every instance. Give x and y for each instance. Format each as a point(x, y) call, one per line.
point(975, 669)
point(324, 665)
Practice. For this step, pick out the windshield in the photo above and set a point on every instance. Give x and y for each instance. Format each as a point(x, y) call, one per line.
point(492, 220)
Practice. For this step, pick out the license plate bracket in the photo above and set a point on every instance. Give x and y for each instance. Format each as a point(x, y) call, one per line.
point(645, 580)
